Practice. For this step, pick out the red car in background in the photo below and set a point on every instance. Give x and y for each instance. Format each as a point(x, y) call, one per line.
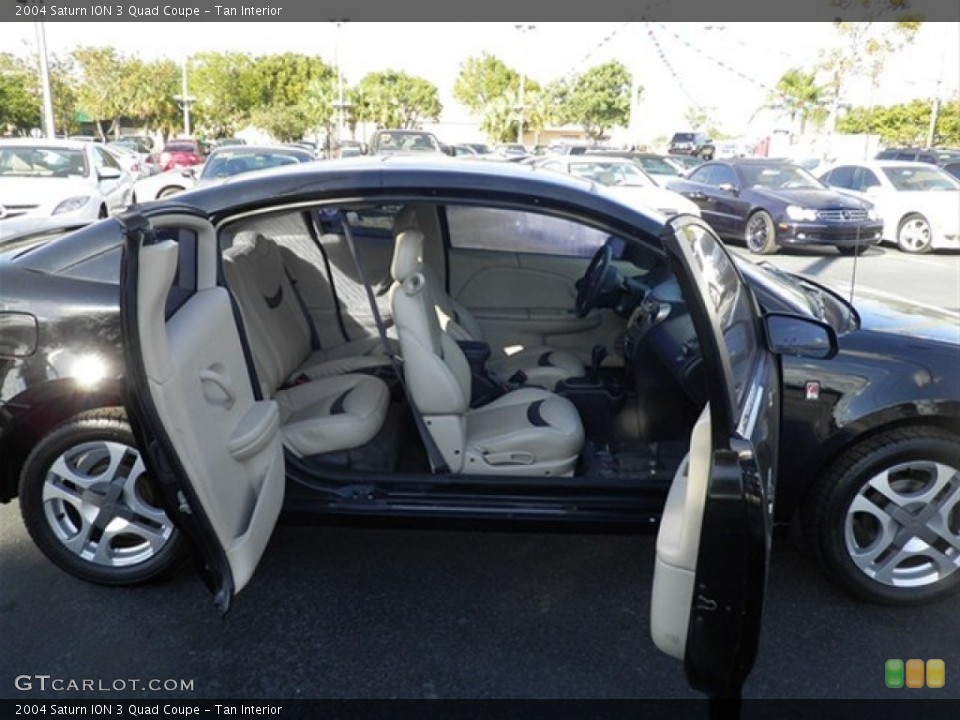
point(180, 153)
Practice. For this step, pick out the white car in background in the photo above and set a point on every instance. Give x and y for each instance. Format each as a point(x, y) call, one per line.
point(61, 178)
point(919, 203)
point(624, 179)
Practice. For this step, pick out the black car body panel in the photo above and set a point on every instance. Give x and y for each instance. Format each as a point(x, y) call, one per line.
point(882, 375)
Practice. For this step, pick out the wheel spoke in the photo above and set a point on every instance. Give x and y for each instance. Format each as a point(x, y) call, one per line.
point(133, 500)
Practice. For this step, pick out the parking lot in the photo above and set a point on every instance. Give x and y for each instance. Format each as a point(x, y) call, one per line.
point(340, 612)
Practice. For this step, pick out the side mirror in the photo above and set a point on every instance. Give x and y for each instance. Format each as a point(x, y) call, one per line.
point(800, 336)
point(873, 191)
point(190, 172)
point(109, 173)
point(728, 187)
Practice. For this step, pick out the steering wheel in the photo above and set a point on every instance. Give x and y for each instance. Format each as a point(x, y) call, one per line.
point(588, 288)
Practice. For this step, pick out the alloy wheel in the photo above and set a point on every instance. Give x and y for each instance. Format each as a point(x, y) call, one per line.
point(915, 235)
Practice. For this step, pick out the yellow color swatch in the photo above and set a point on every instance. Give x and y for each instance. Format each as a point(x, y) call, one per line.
point(914, 673)
point(936, 673)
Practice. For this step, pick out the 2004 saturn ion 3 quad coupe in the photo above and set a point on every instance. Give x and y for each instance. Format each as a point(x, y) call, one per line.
point(424, 339)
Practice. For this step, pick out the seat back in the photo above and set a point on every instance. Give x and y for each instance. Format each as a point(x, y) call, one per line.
point(279, 333)
point(435, 369)
point(455, 319)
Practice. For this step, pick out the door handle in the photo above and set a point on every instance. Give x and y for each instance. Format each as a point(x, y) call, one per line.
point(212, 377)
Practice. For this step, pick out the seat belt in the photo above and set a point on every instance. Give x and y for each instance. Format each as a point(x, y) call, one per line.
point(314, 337)
point(433, 452)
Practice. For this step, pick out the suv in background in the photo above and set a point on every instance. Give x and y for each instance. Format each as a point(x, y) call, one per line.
point(934, 156)
point(692, 143)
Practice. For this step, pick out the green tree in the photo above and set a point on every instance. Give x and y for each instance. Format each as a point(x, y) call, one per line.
point(63, 91)
point(797, 95)
point(226, 90)
point(862, 50)
point(99, 86)
point(696, 118)
point(294, 94)
point(499, 122)
point(19, 95)
point(906, 123)
point(599, 99)
point(484, 79)
point(148, 90)
point(392, 99)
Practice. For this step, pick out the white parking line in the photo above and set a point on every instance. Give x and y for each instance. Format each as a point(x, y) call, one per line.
point(894, 296)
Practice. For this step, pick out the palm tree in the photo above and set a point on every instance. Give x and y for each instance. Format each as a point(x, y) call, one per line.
point(798, 95)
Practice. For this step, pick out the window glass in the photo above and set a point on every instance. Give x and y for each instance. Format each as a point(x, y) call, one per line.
point(106, 159)
point(727, 298)
point(477, 228)
point(779, 177)
point(913, 178)
point(866, 178)
point(612, 173)
point(40, 161)
point(842, 176)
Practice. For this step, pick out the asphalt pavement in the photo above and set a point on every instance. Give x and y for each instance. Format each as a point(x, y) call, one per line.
point(337, 612)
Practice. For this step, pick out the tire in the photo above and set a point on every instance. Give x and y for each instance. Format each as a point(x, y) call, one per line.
point(914, 234)
point(69, 504)
point(168, 192)
point(760, 235)
point(863, 537)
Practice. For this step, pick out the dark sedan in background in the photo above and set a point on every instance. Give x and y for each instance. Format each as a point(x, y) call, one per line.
point(769, 204)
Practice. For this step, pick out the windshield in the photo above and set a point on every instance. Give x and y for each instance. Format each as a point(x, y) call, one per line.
point(683, 138)
point(918, 178)
point(236, 162)
point(658, 166)
point(780, 177)
point(409, 142)
point(41, 161)
point(180, 147)
point(606, 173)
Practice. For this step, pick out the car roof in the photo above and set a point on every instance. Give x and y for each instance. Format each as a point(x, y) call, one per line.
point(286, 149)
point(47, 142)
point(399, 176)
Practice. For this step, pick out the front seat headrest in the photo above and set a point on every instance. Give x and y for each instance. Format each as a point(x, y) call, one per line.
point(407, 253)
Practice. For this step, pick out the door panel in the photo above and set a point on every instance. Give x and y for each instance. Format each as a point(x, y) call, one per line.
point(526, 300)
point(714, 541)
point(214, 448)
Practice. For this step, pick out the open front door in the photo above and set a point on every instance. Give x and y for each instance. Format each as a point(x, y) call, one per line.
point(714, 540)
point(212, 445)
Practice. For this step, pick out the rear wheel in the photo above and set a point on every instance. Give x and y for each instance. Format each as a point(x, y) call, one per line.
point(914, 234)
point(885, 519)
point(90, 506)
point(760, 235)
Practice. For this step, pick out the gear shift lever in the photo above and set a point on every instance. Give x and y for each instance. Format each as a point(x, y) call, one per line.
point(597, 356)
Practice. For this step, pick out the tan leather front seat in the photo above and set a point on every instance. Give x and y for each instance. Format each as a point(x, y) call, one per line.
point(542, 364)
point(525, 432)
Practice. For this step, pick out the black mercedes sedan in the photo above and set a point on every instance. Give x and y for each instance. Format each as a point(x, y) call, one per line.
point(769, 204)
point(582, 371)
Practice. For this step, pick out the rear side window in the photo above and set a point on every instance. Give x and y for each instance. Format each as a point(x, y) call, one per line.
point(842, 177)
point(516, 231)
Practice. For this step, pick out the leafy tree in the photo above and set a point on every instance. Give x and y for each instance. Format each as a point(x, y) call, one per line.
point(148, 91)
point(798, 95)
point(226, 89)
point(392, 99)
point(484, 79)
point(599, 99)
point(294, 94)
point(19, 95)
point(696, 118)
point(906, 123)
point(63, 91)
point(500, 120)
point(99, 85)
point(863, 49)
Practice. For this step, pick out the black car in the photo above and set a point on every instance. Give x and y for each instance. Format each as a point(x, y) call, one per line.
point(692, 143)
point(504, 248)
point(768, 204)
point(933, 156)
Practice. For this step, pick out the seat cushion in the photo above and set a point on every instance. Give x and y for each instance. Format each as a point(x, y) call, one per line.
point(526, 427)
point(542, 365)
point(335, 413)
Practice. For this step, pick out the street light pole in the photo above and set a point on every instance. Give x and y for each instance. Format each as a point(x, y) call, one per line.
point(341, 105)
point(49, 127)
point(184, 99)
point(524, 28)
